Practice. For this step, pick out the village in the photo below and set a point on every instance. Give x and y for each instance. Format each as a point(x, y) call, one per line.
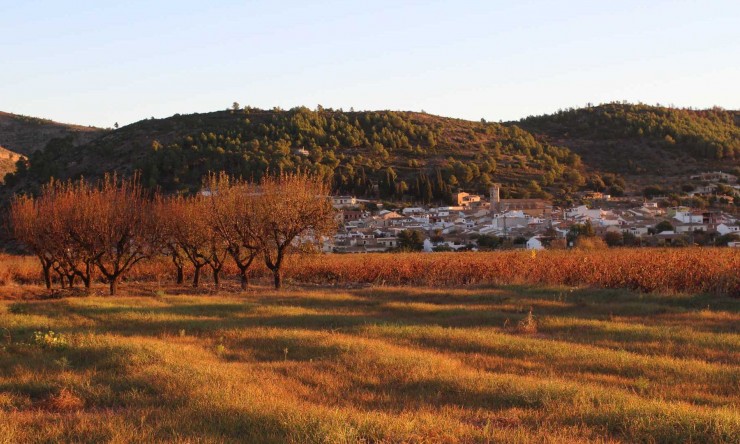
point(487, 222)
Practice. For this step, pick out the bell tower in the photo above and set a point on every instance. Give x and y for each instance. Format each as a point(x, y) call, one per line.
point(495, 197)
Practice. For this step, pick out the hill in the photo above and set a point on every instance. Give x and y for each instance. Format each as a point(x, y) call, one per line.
point(645, 143)
point(407, 155)
point(8, 161)
point(21, 136)
point(25, 135)
point(385, 153)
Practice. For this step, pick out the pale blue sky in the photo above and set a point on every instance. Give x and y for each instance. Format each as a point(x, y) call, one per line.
point(89, 63)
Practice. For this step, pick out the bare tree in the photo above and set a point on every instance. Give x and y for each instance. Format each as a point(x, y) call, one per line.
point(76, 227)
point(232, 216)
point(123, 225)
point(292, 209)
point(214, 250)
point(63, 208)
point(194, 235)
point(167, 244)
point(76, 213)
point(31, 227)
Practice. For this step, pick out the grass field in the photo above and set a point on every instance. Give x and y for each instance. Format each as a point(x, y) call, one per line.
point(379, 364)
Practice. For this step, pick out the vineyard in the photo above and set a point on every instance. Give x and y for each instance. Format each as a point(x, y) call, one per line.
point(685, 270)
point(649, 270)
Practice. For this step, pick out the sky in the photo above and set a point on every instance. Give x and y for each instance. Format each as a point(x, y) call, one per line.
point(98, 63)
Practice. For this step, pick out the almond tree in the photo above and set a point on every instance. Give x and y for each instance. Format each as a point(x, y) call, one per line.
point(186, 233)
point(195, 236)
point(291, 209)
point(167, 242)
point(232, 216)
point(55, 226)
point(123, 225)
point(67, 206)
point(32, 228)
point(215, 251)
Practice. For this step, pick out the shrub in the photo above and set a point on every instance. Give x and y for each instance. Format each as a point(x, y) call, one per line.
point(49, 340)
point(528, 325)
point(590, 243)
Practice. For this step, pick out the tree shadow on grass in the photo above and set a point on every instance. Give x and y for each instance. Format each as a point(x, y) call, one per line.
point(279, 348)
point(109, 381)
point(475, 308)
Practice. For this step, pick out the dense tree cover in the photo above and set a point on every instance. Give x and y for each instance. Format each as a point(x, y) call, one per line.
point(410, 240)
point(712, 133)
point(42, 164)
point(578, 231)
point(488, 241)
point(663, 226)
point(386, 154)
point(325, 142)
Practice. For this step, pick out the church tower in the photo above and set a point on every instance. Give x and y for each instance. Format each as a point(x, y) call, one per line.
point(495, 197)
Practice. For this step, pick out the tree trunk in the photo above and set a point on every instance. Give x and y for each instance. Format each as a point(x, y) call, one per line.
point(71, 280)
point(113, 286)
point(176, 261)
point(216, 281)
point(62, 281)
point(180, 274)
point(244, 268)
point(86, 280)
point(278, 278)
point(275, 267)
point(244, 279)
point(196, 276)
point(47, 276)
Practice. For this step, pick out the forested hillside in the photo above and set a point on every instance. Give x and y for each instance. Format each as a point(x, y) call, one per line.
point(642, 140)
point(406, 155)
point(23, 135)
point(387, 154)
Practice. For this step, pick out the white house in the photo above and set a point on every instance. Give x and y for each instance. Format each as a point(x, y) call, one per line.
point(343, 201)
point(688, 217)
point(388, 242)
point(534, 243)
point(727, 229)
point(688, 228)
point(638, 231)
point(584, 212)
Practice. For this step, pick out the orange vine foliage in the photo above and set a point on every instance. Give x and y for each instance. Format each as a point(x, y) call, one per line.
point(710, 270)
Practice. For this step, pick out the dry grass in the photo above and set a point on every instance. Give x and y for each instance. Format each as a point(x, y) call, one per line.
point(392, 364)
